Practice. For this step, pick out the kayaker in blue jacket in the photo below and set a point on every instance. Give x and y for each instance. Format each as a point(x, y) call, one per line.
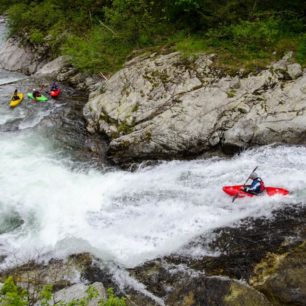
point(53, 86)
point(257, 186)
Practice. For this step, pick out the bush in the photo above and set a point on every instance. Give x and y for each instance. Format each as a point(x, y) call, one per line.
point(17, 19)
point(13, 295)
point(301, 51)
point(100, 50)
point(36, 37)
point(135, 21)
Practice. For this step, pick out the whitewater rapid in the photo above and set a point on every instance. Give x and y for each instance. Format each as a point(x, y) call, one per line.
point(125, 217)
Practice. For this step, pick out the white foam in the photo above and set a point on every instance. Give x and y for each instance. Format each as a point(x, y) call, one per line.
point(131, 217)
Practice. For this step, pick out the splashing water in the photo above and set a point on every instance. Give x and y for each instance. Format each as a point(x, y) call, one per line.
point(129, 217)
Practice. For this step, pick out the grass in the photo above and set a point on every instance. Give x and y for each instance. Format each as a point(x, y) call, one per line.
point(232, 57)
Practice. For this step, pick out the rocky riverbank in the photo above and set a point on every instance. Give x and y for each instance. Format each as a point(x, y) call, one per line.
point(170, 106)
point(261, 262)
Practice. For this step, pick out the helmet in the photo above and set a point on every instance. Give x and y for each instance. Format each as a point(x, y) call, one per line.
point(253, 175)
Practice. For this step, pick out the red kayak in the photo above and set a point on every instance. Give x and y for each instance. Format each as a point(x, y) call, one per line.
point(55, 93)
point(238, 192)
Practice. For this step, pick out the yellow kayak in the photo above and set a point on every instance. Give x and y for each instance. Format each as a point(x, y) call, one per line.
point(14, 103)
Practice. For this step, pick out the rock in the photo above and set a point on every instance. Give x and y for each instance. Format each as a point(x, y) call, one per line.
point(241, 294)
point(169, 106)
point(78, 291)
point(214, 139)
point(282, 277)
point(162, 107)
point(239, 253)
point(216, 290)
point(59, 273)
point(240, 134)
point(280, 66)
point(53, 68)
point(294, 71)
point(13, 57)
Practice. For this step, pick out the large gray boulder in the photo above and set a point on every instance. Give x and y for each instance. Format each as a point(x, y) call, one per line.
point(53, 68)
point(170, 106)
point(14, 57)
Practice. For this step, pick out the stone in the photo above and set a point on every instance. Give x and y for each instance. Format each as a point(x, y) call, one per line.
point(214, 139)
point(78, 291)
point(294, 71)
point(53, 68)
point(283, 277)
point(14, 57)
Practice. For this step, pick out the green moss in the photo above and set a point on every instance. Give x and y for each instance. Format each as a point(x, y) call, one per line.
point(189, 299)
point(107, 119)
point(231, 93)
point(157, 77)
point(135, 108)
point(266, 268)
point(241, 295)
point(124, 128)
point(148, 136)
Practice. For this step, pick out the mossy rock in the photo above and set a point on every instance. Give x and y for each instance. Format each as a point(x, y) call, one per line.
point(282, 278)
point(207, 291)
point(240, 294)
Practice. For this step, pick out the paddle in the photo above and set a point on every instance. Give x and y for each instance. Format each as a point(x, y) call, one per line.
point(236, 196)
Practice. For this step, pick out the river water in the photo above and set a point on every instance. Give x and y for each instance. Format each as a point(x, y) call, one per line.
point(51, 207)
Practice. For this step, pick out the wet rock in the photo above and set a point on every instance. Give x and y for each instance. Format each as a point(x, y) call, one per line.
point(206, 291)
point(283, 277)
point(180, 285)
point(240, 253)
point(67, 128)
point(59, 273)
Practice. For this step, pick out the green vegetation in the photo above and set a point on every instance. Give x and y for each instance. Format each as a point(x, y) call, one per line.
point(13, 295)
point(101, 34)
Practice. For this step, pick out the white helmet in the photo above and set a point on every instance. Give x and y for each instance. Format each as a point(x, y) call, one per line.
point(253, 175)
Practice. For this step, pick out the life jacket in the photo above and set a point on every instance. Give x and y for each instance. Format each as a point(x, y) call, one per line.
point(257, 186)
point(262, 185)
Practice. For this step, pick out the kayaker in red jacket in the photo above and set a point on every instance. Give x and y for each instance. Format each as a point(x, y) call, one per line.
point(36, 93)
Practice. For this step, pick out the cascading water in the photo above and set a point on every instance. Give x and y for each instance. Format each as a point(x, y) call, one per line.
point(48, 207)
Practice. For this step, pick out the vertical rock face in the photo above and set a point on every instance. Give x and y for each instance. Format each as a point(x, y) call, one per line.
point(167, 106)
point(14, 57)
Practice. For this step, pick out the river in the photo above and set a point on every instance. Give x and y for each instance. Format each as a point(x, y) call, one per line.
point(52, 205)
